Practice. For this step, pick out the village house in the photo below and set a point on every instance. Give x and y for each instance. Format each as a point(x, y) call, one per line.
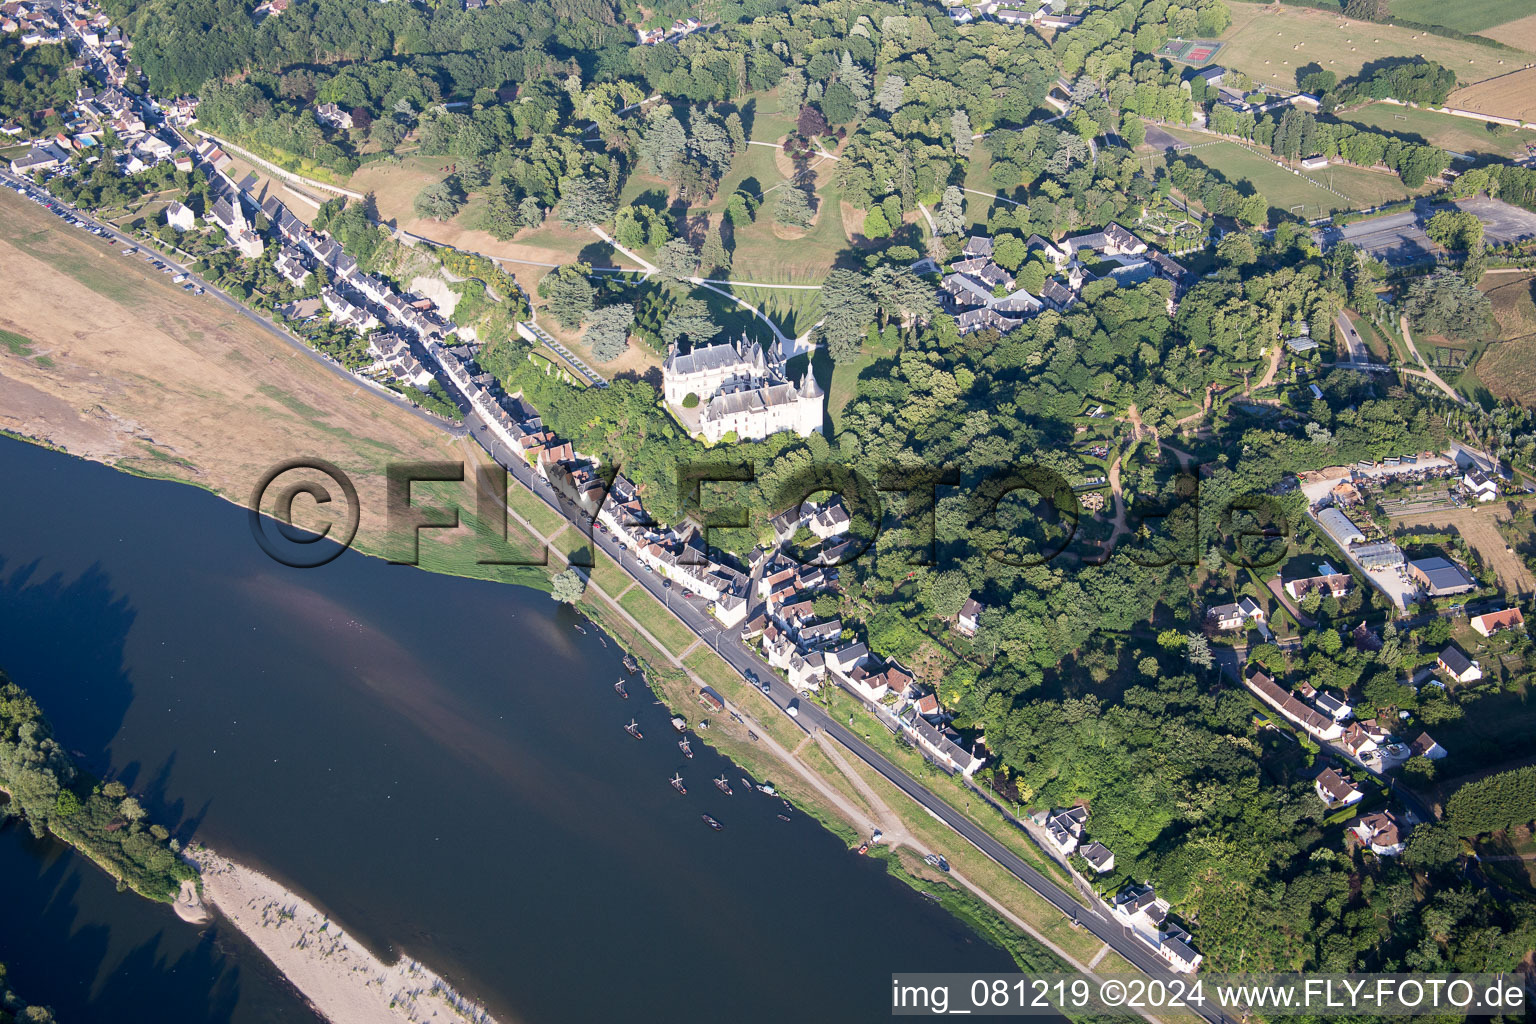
point(346, 314)
point(334, 116)
point(1234, 616)
point(1146, 914)
point(39, 158)
point(969, 619)
point(1315, 722)
point(1098, 857)
point(1326, 581)
point(1065, 827)
point(1114, 240)
point(180, 217)
point(1490, 623)
point(1458, 666)
point(1381, 833)
point(941, 745)
point(1357, 741)
point(1479, 485)
point(1336, 789)
point(290, 266)
point(1425, 746)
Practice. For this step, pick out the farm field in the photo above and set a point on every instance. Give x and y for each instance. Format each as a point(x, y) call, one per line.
point(1513, 95)
point(1270, 44)
point(1463, 16)
point(1456, 134)
point(1284, 190)
point(1507, 367)
point(1479, 527)
point(1521, 33)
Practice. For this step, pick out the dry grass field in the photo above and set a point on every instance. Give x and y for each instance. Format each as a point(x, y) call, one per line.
point(1512, 95)
point(1270, 43)
point(1519, 33)
point(1507, 367)
point(1479, 527)
point(124, 368)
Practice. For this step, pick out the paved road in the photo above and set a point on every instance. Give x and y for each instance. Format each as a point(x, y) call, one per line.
point(1358, 353)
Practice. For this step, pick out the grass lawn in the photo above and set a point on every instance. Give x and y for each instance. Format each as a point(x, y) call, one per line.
point(532, 508)
point(845, 376)
point(1271, 43)
point(1284, 190)
point(662, 624)
point(1458, 134)
point(793, 311)
point(607, 575)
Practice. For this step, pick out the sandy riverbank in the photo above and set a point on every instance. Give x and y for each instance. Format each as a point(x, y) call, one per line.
point(345, 983)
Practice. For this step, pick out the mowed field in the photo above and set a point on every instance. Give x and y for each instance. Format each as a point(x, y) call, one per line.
point(1270, 43)
point(1455, 134)
point(1507, 367)
point(1463, 15)
point(123, 367)
point(1284, 190)
point(1512, 95)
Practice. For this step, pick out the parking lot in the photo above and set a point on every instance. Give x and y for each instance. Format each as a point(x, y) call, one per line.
point(1398, 239)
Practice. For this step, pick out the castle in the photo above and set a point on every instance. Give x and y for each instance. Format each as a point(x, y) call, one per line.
point(741, 390)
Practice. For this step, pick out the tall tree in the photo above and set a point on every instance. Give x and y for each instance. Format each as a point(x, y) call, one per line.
point(569, 294)
point(892, 91)
point(792, 208)
point(960, 130)
point(608, 333)
point(677, 260)
point(950, 217)
point(584, 201)
point(848, 311)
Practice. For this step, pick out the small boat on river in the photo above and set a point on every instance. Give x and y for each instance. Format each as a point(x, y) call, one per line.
point(682, 745)
point(677, 784)
point(634, 730)
point(712, 823)
point(630, 665)
point(723, 786)
point(619, 689)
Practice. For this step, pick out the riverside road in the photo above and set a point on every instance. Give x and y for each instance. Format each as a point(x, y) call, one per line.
point(694, 614)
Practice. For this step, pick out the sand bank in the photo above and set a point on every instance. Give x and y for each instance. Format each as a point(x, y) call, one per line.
point(345, 983)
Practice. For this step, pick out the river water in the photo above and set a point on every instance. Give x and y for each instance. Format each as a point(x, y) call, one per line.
point(439, 763)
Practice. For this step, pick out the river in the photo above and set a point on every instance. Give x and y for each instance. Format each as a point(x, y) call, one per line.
point(439, 763)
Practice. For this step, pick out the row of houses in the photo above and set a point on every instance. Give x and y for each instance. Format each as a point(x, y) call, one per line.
point(1145, 914)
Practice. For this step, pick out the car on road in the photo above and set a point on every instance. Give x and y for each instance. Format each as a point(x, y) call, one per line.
point(751, 677)
point(666, 584)
point(793, 710)
point(687, 593)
